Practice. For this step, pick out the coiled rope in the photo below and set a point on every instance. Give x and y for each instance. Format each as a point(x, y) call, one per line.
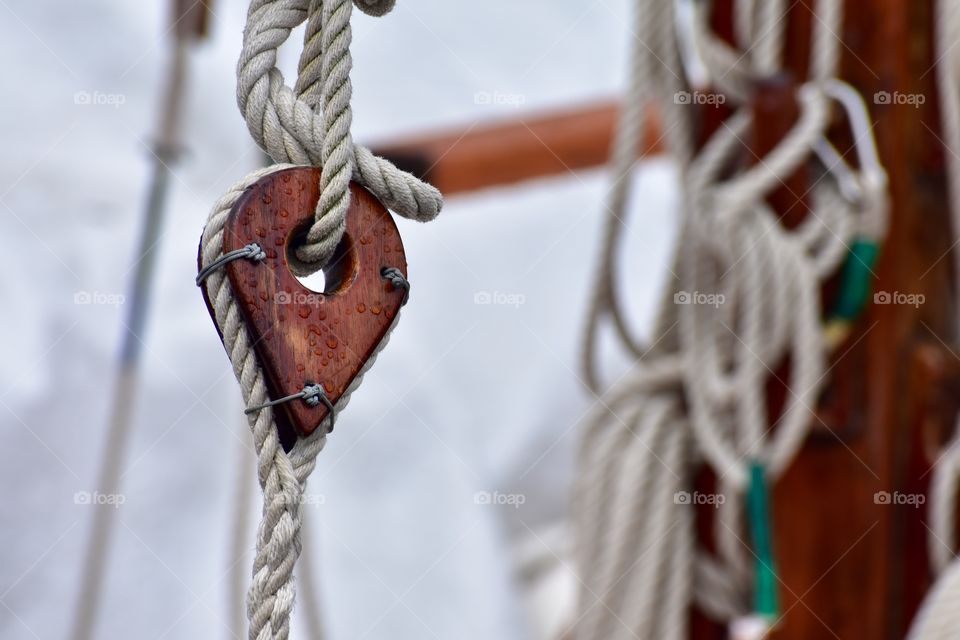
point(306, 125)
point(697, 393)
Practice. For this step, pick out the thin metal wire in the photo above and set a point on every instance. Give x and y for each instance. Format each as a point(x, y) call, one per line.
point(397, 279)
point(312, 394)
point(252, 252)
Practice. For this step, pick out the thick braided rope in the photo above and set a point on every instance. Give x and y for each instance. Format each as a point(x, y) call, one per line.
point(650, 80)
point(282, 476)
point(309, 127)
point(312, 124)
point(768, 270)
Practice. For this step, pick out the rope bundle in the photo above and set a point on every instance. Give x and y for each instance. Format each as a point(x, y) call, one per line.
point(306, 125)
point(697, 393)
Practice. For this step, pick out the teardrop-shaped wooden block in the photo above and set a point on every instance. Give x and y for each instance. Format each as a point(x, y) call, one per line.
point(301, 336)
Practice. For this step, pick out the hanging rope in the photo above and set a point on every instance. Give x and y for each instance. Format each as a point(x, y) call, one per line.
point(282, 476)
point(308, 125)
point(649, 74)
point(697, 393)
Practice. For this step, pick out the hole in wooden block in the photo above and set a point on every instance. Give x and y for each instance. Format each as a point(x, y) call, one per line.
point(337, 275)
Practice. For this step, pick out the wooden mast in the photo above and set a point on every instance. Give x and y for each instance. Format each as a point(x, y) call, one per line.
point(853, 564)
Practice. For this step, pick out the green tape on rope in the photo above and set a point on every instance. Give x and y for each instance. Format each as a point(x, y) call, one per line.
point(855, 279)
point(761, 530)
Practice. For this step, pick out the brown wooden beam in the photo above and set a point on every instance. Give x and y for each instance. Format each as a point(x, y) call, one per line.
point(528, 147)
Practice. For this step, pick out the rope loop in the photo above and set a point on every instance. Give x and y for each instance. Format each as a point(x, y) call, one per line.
point(311, 125)
point(305, 125)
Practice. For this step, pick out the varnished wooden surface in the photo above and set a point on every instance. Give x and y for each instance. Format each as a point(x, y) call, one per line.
point(302, 336)
point(527, 147)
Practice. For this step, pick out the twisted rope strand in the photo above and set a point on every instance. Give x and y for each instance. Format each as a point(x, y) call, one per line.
point(282, 476)
point(306, 125)
point(311, 123)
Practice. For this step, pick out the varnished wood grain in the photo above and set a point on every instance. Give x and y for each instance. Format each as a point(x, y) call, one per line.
point(302, 336)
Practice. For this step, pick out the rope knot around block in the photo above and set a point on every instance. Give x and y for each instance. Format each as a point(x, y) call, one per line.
point(310, 123)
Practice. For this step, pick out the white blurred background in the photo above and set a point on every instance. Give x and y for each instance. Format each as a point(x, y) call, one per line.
point(466, 399)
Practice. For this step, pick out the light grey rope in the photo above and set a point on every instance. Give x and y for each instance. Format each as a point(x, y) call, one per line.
point(282, 476)
point(311, 124)
point(635, 547)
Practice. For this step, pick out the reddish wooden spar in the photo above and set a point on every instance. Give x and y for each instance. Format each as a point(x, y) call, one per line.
point(300, 336)
point(499, 153)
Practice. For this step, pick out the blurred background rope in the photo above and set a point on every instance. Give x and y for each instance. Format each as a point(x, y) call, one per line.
point(696, 394)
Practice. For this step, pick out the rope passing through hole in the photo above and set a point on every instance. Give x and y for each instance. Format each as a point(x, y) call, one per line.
point(308, 124)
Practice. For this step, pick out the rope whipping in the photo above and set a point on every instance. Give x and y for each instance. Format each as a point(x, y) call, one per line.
point(308, 125)
point(745, 295)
